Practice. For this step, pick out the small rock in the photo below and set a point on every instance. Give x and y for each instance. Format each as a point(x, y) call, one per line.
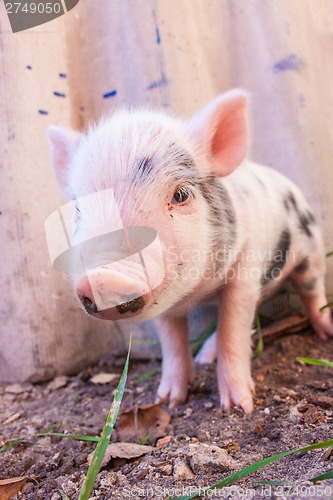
point(324, 401)
point(181, 470)
point(208, 405)
point(80, 459)
point(55, 496)
point(142, 473)
point(70, 488)
point(289, 392)
point(203, 435)
point(267, 411)
point(209, 458)
point(166, 469)
point(58, 383)
point(294, 415)
point(17, 389)
point(104, 378)
point(188, 412)
point(233, 446)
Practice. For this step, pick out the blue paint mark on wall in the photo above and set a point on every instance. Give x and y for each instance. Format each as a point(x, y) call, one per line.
point(28, 66)
point(158, 83)
point(157, 30)
point(62, 75)
point(158, 36)
point(290, 63)
point(43, 112)
point(59, 94)
point(109, 94)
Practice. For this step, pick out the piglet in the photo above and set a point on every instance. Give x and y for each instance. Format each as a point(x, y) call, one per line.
point(188, 220)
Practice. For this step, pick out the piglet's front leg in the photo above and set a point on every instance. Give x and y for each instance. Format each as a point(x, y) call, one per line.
point(233, 340)
point(177, 363)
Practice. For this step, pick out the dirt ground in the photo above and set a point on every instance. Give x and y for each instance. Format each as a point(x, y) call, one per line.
point(293, 408)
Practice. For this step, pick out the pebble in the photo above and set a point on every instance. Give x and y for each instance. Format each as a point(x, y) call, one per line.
point(17, 388)
point(58, 383)
point(188, 412)
point(208, 405)
point(181, 470)
point(206, 458)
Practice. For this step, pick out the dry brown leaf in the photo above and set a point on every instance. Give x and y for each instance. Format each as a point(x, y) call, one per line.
point(9, 487)
point(150, 421)
point(123, 450)
point(104, 378)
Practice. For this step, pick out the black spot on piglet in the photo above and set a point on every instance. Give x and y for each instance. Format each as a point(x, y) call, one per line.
point(305, 219)
point(303, 266)
point(279, 258)
point(144, 165)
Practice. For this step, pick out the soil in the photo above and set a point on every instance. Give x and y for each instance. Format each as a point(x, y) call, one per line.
point(293, 408)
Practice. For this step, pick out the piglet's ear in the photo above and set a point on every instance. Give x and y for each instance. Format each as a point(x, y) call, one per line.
point(221, 128)
point(63, 142)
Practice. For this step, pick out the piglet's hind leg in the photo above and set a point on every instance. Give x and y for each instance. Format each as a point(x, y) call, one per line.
point(308, 279)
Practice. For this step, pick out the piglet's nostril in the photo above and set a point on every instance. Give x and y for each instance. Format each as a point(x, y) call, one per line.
point(88, 304)
point(132, 305)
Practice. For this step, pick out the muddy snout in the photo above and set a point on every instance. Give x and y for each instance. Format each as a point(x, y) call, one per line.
point(112, 295)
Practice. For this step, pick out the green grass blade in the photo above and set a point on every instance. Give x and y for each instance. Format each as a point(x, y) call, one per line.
point(322, 477)
point(207, 333)
point(93, 439)
point(63, 495)
point(311, 361)
point(146, 375)
point(201, 339)
point(271, 483)
point(250, 469)
point(19, 439)
point(48, 429)
point(104, 440)
point(10, 444)
point(260, 344)
point(327, 306)
point(144, 440)
point(146, 341)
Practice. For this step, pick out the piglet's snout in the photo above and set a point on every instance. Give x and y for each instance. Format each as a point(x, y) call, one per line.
point(112, 295)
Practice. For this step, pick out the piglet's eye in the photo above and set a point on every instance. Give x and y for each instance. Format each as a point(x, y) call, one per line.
point(180, 196)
